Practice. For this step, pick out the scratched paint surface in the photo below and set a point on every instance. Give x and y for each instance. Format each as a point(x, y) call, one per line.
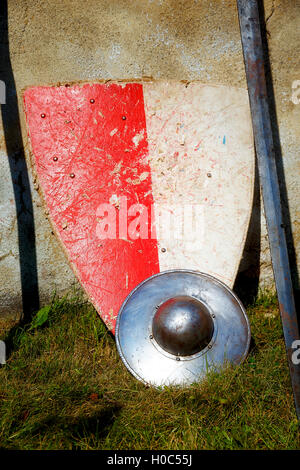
point(201, 153)
point(152, 143)
point(93, 142)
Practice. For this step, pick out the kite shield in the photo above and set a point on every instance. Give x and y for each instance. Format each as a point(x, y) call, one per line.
point(143, 177)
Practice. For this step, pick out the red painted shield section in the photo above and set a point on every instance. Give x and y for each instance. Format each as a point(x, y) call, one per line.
point(82, 138)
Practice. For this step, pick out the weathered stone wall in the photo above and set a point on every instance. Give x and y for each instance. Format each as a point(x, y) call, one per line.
point(58, 41)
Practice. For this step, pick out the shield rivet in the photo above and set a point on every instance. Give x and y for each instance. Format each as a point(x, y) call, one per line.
point(43, 115)
point(163, 250)
point(55, 159)
point(124, 118)
point(209, 175)
point(92, 101)
point(72, 175)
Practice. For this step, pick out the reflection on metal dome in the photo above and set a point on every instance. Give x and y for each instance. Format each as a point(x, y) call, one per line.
point(182, 326)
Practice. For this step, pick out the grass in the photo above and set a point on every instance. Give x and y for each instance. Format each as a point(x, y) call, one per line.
point(64, 387)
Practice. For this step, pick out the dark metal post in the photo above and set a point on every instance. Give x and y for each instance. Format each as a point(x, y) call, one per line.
point(255, 73)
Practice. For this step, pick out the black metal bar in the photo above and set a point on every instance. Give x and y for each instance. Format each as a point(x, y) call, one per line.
point(262, 128)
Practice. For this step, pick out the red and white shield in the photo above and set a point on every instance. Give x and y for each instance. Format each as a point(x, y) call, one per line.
point(141, 177)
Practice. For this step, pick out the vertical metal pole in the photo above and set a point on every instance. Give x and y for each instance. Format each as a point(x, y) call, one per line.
point(255, 73)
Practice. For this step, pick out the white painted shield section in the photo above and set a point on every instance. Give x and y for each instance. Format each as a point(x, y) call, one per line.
point(201, 153)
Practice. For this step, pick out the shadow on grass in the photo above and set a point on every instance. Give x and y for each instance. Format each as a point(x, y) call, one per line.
point(98, 425)
point(57, 313)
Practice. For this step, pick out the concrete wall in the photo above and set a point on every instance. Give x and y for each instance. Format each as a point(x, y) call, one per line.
point(53, 41)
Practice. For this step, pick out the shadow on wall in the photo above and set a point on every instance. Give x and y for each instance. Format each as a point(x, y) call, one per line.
point(247, 281)
point(19, 175)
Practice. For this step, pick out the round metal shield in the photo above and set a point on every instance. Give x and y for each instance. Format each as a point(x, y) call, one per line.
point(160, 362)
